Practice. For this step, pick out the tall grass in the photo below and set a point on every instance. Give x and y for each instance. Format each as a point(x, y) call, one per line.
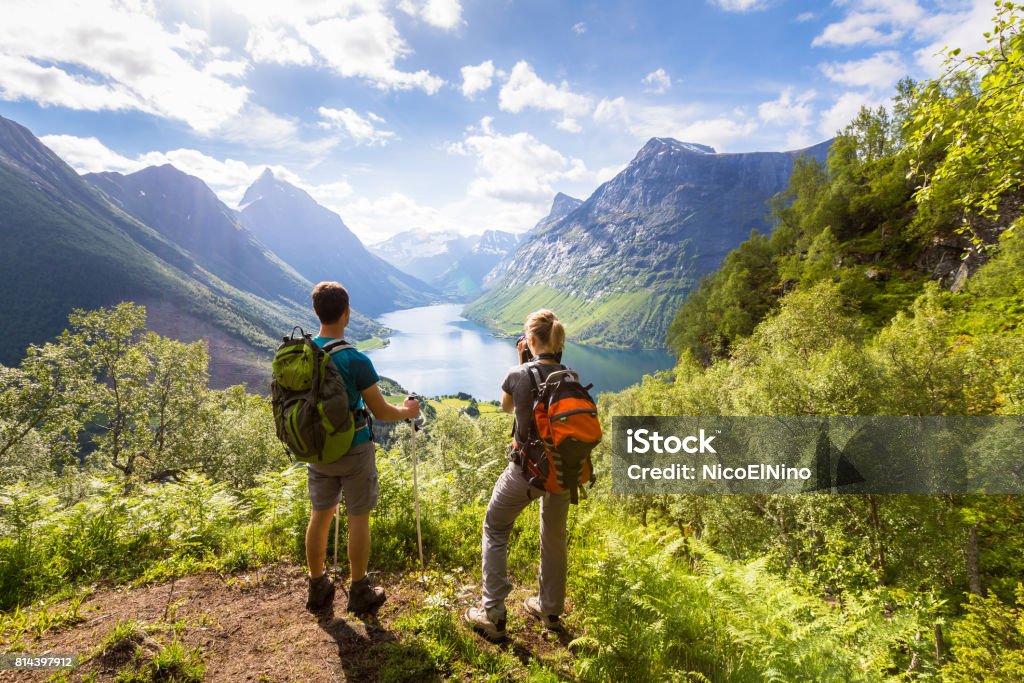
point(50, 544)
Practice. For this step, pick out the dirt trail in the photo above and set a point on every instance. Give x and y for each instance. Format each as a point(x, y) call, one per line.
point(253, 627)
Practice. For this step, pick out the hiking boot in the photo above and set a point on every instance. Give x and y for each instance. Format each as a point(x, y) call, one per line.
point(364, 597)
point(490, 623)
point(551, 622)
point(321, 593)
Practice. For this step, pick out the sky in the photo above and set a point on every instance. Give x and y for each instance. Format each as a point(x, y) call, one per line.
point(461, 115)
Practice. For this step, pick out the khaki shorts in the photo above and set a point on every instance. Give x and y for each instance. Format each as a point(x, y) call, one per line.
point(355, 474)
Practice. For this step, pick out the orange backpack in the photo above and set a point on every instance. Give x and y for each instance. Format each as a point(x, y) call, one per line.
point(565, 430)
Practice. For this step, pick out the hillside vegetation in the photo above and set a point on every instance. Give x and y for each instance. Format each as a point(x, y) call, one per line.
point(682, 588)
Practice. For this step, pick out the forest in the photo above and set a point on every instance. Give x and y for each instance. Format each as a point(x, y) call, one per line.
point(892, 284)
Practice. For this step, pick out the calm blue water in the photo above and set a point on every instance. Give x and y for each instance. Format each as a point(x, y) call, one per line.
point(436, 351)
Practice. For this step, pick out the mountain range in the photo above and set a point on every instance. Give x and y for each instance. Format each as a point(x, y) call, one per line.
point(318, 244)
point(615, 267)
point(454, 264)
point(618, 266)
point(65, 245)
point(162, 239)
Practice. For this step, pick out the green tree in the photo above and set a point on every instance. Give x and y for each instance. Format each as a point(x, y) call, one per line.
point(974, 112)
point(108, 342)
point(237, 441)
point(45, 400)
point(989, 642)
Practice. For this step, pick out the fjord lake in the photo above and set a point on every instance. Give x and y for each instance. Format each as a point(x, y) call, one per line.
point(436, 351)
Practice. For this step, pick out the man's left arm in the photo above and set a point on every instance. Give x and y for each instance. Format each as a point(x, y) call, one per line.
point(366, 379)
point(384, 411)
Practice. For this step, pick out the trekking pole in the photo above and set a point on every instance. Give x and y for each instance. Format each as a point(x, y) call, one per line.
point(337, 523)
point(416, 426)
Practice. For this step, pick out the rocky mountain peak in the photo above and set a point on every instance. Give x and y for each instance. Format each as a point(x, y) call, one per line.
point(563, 205)
point(267, 185)
point(662, 146)
point(171, 178)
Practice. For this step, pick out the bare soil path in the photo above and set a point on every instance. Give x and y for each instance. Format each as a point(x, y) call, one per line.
point(253, 626)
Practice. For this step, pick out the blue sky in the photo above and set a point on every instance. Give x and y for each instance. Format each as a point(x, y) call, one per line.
point(451, 114)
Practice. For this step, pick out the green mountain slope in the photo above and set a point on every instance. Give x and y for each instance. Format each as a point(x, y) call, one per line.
point(185, 211)
point(63, 246)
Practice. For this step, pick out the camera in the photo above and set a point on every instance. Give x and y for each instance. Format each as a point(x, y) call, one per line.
point(525, 355)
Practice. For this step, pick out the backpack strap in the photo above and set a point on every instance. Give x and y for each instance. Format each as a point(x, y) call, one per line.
point(336, 345)
point(535, 380)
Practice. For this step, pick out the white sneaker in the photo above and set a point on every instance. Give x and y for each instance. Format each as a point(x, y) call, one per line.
point(551, 622)
point(488, 622)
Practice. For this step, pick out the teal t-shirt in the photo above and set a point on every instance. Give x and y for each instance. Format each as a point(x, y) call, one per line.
point(359, 375)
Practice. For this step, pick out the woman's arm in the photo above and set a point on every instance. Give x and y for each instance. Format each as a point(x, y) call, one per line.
point(384, 411)
point(506, 402)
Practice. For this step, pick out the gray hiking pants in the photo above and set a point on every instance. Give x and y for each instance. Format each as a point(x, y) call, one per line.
point(511, 495)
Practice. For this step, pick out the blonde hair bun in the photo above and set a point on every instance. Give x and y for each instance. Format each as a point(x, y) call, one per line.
point(547, 328)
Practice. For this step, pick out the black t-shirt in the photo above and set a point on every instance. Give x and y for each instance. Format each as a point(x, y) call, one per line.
point(518, 385)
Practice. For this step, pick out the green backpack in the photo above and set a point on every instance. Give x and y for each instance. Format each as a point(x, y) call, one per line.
point(310, 400)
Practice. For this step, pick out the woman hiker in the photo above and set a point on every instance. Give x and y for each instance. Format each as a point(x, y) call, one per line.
point(544, 336)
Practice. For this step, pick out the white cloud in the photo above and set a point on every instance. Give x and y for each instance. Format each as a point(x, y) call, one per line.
point(718, 132)
point(327, 194)
point(275, 45)
point(356, 39)
point(964, 30)
point(804, 17)
point(524, 89)
point(612, 111)
point(376, 219)
point(516, 176)
point(367, 45)
point(227, 68)
point(89, 155)
point(579, 28)
point(878, 72)
point(906, 25)
point(788, 109)
point(228, 178)
point(255, 126)
point(741, 5)
point(476, 79)
point(603, 175)
point(23, 79)
point(515, 168)
point(872, 22)
point(657, 81)
point(845, 109)
point(104, 55)
point(362, 130)
point(569, 125)
point(800, 139)
point(685, 123)
point(444, 14)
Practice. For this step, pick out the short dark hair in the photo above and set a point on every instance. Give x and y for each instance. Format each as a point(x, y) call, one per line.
point(330, 301)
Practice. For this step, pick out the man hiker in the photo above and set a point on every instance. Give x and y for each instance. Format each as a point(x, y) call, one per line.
point(355, 474)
